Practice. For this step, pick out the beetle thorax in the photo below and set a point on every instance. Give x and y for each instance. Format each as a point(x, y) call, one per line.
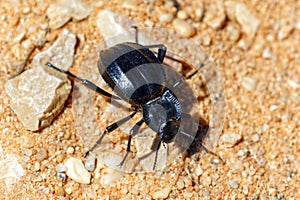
point(163, 115)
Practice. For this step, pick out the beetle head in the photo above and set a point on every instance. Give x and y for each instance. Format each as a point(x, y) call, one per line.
point(168, 130)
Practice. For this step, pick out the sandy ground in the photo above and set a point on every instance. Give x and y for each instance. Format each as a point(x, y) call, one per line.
point(259, 60)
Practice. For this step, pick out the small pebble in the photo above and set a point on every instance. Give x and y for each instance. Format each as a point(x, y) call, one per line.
point(243, 153)
point(26, 10)
point(261, 160)
point(206, 40)
point(60, 157)
point(255, 138)
point(246, 19)
point(41, 154)
point(245, 189)
point(184, 28)
point(205, 180)
point(249, 83)
point(162, 194)
point(267, 53)
point(166, 17)
point(37, 166)
point(130, 4)
point(198, 170)
point(180, 184)
point(230, 139)
point(70, 150)
point(215, 15)
point(90, 163)
point(77, 171)
point(233, 184)
point(59, 191)
point(26, 141)
point(182, 14)
point(60, 168)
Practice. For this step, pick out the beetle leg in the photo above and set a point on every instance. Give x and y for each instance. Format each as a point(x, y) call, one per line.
point(136, 33)
point(156, 154)
point(133, 132)
point(180, 81)
point(162, 50)
point(86, 82)
point(109, 129)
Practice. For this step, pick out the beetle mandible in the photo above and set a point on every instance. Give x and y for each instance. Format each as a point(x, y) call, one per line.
point(144, 88)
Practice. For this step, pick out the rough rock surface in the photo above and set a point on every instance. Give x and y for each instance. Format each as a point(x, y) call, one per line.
point(37, 97)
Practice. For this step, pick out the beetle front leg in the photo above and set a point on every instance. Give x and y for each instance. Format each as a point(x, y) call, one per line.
point(86, 82)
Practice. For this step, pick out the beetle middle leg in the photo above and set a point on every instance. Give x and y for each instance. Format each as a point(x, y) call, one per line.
point(133, 132)
point(109, 129)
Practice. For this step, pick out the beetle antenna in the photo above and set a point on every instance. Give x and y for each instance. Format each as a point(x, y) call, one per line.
point(203, 146)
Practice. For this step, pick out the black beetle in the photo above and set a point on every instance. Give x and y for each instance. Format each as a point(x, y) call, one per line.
point(136, 75)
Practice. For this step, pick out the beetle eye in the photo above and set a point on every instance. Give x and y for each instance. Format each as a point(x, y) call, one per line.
point(168, 130)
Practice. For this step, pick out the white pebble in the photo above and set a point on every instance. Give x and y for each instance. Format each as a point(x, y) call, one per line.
point(182, 14)
point(26, 141)
point(233, 184)
point(267, 53)
point(184, 28)
point(77, 171)
point(230, 139)
point(60, 168)
point(90, 163)
point(70, 150)
point(162, 194)
point(166, 17)
point(249, 83)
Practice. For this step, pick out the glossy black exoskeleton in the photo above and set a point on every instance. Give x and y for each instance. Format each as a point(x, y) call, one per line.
point(136, 75)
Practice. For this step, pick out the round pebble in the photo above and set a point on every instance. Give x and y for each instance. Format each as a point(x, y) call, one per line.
point(184, 28)
point(166, 17)
point(70, 150)
point(162, 194)
point(182, 14)
point(59, 191)
point(41, 154)
point(26, 141)
point(233, 184)
point(249, 83)
point(60, 157)
point(90, 163)
point(60, 168)
point(77, 171)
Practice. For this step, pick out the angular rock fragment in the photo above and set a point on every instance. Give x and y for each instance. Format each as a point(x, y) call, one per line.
point(37, 97)
point(112, 25)
point(230, 139)
point(215, 16)
point(60, 53)
point(240, 13)
point(61, 12)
